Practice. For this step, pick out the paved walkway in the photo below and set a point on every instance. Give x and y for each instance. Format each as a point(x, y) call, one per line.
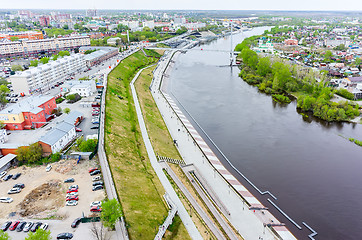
point(186, 219)
point(250, 223)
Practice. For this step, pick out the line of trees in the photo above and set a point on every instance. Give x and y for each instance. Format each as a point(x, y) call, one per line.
point(276, 76)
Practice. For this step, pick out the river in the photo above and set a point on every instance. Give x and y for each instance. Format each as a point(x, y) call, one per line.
point(313, 171)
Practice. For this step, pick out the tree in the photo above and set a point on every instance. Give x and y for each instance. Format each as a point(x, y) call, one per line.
point(327, 56)
point(44, 60)
point(16, 68)
point(66, 27)
point(40, 234)
point(99, 232)
point(64, 53)
point(4, 236)
point(30, 154)
point(66, 110)
point(111, 212)
point(88, 146)
point(3, 91)
point(263, 66)
point(34, 63)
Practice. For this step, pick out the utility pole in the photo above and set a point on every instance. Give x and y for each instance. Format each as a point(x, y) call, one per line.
point(231, 43)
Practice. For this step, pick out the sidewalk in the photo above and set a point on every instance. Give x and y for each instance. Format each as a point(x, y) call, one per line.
point(186, 219)
point(251, 224)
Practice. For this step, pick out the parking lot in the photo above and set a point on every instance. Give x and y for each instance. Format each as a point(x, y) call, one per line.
point(44, 194)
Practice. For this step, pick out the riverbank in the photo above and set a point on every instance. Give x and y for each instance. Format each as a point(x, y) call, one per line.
point(237, 204)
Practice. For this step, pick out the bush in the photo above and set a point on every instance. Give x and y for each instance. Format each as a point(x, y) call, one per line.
point(344, 93)
point(281, 98)
point(86, 146)
point(59, 100)
point(31, 154)
point(72, 98)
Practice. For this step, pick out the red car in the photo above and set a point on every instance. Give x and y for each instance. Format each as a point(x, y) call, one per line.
point(14, 225)
point(72, 190)
point(92, 169)
point(78, 129)
point(96, 209)
point(72, 198)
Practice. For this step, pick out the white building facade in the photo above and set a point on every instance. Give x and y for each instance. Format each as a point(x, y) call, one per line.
point(83, 88)
point(42, 78)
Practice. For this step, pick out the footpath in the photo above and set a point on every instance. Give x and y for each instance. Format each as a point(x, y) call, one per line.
point(248, 216)
point(186, 219)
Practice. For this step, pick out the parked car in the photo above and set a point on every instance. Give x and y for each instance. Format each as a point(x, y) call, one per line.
point(94, 127)
point(97, 183)
point(44, 226)
point(14, 225)
point(94, 114)
point(78, 129)
point(48, 168)
point(7, 177)
point(28, 226)
point(95, 172)
point(5, 226)
point(71, 194)
point(92, 169)
point(16, 176)
point(6, 200)
point(72, 198)
point(35, 226)
point(96, 203)
point(96, 209)
point(14, 190)
point(97, 178)
point(71, 203)
point(98, 187)
point(20, 227)
point(19, 185)
point(72, 190)
point(95, 121)
point(3, 173)
point(69, 180)
point(74, 186)
point(64, 236)
point(76, 222)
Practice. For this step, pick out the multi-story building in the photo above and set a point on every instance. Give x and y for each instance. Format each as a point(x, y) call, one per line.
point(102, 54)
point(34, 47)
point(32, 112)
point(83, 88)
point(42, 78)
point(29, 35)
point(44, 21)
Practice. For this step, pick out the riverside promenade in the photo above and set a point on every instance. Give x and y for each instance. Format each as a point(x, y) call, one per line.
point(249, 217)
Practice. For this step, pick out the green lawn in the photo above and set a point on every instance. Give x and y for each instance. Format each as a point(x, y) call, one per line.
point(138, 187)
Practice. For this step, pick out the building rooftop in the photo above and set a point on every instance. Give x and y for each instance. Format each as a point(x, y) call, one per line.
point(5, 160)
point(72, 117)
point(30, 104)
point(56, 133)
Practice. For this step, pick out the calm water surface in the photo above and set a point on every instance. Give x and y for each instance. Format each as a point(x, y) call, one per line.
point(313, 171)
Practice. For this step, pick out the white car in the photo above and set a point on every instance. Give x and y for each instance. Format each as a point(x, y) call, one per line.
point(44, 226)
point(14, 190)
point(97, 178)
point(3, 173)
point(71, 194)
point(73, 186)
point(71, 203)
point(6, 200)
point(48, 168)
point(96, 203)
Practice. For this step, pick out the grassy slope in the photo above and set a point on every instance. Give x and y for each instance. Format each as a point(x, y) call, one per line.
point(138, 187)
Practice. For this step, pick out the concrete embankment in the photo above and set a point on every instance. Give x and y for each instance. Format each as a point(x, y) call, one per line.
point(249, 217)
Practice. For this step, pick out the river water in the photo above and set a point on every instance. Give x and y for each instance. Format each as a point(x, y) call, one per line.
point(313, 171)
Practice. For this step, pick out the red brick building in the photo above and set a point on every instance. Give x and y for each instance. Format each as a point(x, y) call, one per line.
point(32, 112)
point(292, 42)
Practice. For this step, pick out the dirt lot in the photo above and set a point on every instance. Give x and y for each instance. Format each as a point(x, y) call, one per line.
point(44, 194)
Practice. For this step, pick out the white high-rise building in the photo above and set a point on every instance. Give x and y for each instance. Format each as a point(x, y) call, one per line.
point(42, 78)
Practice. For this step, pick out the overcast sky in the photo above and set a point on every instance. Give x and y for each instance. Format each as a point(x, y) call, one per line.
point(355, 5)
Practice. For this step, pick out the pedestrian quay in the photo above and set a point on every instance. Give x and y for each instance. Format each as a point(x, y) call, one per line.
point(247, 215)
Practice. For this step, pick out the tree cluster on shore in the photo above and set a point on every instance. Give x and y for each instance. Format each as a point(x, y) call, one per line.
point(278, 77)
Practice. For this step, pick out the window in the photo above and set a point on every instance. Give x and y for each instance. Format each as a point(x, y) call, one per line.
point(14, 118)
point(31, 117)
point(16, 126)
point(26, 117)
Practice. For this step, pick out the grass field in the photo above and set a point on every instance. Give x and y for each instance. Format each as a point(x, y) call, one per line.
point(138, 187)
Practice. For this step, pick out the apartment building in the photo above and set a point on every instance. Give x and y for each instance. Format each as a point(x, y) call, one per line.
point(41, 46)
point(28, 35)
point(42, 78)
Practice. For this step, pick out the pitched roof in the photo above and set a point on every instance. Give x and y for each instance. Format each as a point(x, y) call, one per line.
point(57, 133)
point(72, 117)
point(30, 104)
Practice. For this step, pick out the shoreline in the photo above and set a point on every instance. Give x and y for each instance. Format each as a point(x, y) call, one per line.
point(244, 211)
